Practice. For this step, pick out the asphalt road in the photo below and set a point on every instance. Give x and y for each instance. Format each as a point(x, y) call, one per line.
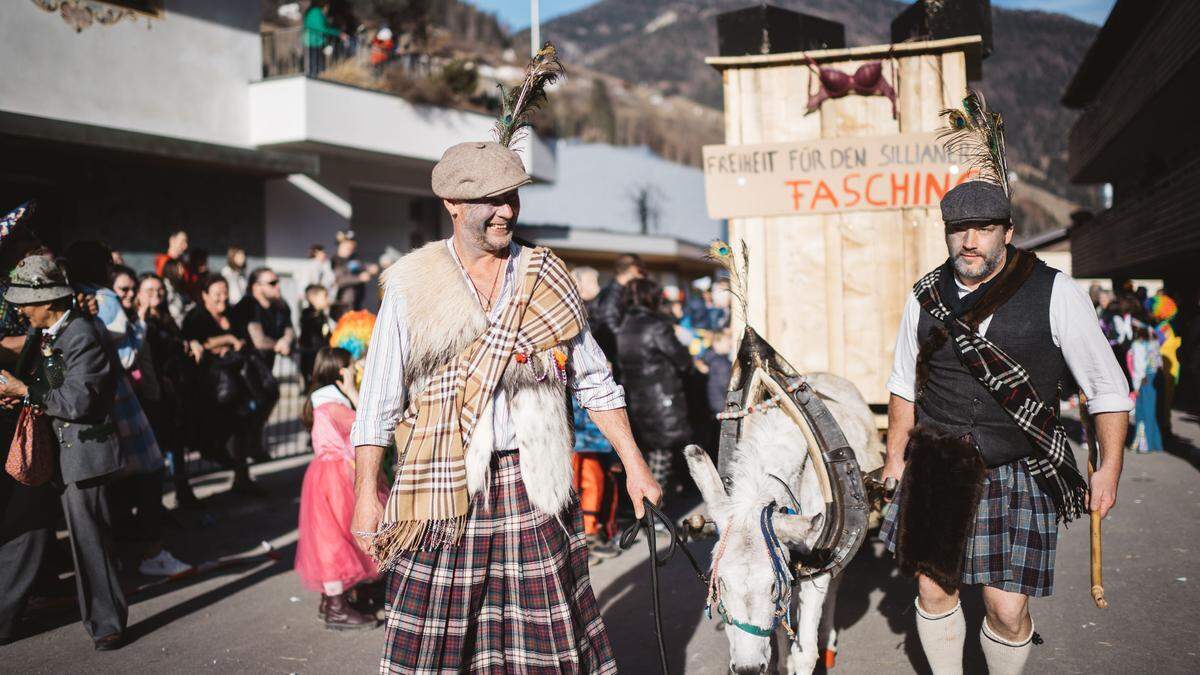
point(256, 618)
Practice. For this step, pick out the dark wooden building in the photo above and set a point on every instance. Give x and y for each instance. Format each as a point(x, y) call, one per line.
point(1137, 89)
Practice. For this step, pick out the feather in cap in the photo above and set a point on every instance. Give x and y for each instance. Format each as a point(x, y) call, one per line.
point(976, 134)
point(519, 103)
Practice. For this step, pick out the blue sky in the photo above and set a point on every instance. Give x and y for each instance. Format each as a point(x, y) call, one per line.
point(516, 12)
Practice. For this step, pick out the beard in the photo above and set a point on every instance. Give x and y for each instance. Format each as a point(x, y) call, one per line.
point(979, 268)
point(973, 269)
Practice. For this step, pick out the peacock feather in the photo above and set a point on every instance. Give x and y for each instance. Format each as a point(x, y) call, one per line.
point(723, 254)
point(975, 134)
point(518, 104)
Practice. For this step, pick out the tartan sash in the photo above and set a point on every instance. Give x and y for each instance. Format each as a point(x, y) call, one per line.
point(428, 502)
point(1052, 464)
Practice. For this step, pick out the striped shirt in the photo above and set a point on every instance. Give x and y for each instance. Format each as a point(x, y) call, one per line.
point(383, 397)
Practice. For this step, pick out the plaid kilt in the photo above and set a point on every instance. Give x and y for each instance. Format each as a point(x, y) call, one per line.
point(513, 596)
point(1015, 538)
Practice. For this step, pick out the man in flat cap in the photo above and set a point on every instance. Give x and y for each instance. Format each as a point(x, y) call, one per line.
point(973, 434)
point(477, 343)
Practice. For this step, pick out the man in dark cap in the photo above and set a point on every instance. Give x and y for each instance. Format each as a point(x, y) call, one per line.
point(984, 466)
point(476, 346)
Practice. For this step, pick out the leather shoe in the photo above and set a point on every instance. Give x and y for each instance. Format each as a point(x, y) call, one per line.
point(110, 642)
point(339, 615)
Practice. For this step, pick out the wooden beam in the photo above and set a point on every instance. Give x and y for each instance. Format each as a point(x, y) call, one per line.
point(972, 45)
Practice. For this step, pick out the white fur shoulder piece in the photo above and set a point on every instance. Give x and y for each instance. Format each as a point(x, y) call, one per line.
point(437, 301)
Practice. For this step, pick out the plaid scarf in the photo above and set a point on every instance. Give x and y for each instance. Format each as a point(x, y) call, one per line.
point(1052, 464)
point(427, 506)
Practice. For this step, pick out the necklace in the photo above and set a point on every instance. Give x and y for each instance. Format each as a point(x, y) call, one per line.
point(485, 301)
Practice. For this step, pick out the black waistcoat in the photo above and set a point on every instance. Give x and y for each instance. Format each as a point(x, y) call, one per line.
point(954, 402)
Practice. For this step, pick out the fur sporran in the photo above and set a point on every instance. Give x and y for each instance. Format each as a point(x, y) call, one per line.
point(939, 495)
point(30, 457)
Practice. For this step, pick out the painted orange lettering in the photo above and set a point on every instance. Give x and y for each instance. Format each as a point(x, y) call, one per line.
point(900, 189)
point(873, 202)
point(855, 195)
point(934, 191)
point(823, 192)
point(796, 194)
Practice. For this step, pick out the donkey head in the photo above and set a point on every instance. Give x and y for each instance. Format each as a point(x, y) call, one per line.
point(744, 574)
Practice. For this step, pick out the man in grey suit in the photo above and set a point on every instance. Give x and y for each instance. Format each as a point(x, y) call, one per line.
point(74, 385)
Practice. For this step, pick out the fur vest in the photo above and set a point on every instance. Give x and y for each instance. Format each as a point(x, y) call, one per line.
point(443, 317)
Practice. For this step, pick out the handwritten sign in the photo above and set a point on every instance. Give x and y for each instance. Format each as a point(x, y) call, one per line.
point(829, 175)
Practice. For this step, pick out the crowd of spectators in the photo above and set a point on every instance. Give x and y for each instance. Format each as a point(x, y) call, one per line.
point(133, 372)
point(1141, 330)
point(670, 350)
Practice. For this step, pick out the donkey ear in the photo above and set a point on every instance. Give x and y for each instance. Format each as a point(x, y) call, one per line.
point(799, 532)
point(706, 478)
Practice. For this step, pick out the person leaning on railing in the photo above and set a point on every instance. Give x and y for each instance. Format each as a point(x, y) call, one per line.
point(317, 33)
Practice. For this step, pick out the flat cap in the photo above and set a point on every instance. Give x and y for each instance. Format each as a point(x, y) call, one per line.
point(976, 201)
point(477, 171)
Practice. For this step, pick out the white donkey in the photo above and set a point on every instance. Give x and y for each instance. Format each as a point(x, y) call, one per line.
point(771, 453)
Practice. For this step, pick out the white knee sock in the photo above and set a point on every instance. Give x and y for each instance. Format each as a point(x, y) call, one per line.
point(942, 636)
point(1004, 657)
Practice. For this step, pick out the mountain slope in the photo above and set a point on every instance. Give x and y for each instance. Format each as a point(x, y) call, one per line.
point(662, 44)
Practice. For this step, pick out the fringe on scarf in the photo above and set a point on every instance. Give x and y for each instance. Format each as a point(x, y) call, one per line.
point(396, 539)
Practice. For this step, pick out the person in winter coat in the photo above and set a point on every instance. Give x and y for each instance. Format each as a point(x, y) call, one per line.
point(654, 365)
point(607, 310)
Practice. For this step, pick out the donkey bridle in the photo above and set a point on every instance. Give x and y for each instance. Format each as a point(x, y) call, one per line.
point(784, 579)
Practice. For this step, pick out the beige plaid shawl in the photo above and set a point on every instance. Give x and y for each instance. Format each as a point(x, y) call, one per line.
point(427, 507)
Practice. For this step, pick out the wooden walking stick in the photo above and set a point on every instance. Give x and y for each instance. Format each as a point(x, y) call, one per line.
point(1089, 430)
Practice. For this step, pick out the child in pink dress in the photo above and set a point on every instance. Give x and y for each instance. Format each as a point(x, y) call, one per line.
point(327, 559)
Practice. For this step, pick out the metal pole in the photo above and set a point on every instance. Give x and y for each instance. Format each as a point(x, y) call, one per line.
point(535, 29)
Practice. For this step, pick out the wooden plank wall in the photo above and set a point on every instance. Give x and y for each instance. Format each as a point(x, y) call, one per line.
point(828, 290)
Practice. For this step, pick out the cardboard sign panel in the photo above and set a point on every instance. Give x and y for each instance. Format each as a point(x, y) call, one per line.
point(829, 176)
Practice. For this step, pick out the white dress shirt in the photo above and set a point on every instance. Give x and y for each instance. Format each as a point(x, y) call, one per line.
point(382, 397)
point(1074, 329)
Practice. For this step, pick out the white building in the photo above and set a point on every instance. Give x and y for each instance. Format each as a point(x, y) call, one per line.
point(607, 200)
point(126, 131)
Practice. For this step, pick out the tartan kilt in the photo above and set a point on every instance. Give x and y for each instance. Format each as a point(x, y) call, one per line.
point(513, 596)
point(1015, 537)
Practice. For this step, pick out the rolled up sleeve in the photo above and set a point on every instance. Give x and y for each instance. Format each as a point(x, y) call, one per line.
point(590, 377)
point(381, 397)
point(1089, 357)
point(903, 380)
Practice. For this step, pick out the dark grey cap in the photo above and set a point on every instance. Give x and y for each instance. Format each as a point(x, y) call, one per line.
point(976, 201)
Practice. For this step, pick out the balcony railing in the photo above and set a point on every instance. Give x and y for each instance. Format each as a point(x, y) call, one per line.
point(284, 53)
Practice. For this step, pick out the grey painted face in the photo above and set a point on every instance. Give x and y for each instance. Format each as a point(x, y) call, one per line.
point(489, 223)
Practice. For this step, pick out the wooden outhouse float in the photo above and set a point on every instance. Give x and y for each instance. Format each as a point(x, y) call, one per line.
point(831, 174)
